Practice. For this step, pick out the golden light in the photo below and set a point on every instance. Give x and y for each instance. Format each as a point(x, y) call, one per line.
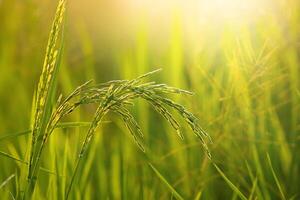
point(236, 11)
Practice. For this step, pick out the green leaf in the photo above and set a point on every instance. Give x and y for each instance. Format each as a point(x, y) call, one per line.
point(174, 192)
point(62, 125)
point(276, 179)
point(231, 185)
point(26, 163)
point(7, 180)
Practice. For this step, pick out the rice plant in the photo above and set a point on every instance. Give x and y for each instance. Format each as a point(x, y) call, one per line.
point(128, 138)
point(113, 96)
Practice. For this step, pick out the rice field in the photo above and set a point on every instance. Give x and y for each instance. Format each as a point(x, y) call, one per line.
point(140, 99)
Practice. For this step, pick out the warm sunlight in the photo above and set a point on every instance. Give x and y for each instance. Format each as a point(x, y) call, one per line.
point(241, 11)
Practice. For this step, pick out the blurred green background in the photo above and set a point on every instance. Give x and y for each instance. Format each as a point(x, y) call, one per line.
point(241, 58)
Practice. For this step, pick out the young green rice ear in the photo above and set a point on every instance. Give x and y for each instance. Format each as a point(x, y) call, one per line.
point(43, 96)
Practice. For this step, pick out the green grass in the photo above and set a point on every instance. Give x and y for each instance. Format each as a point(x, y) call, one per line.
point(130, 138)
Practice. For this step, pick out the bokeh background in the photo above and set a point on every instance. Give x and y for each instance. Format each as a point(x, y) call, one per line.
point(240, 57)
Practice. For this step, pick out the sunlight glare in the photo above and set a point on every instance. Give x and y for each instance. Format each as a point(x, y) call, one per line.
point(237, 11)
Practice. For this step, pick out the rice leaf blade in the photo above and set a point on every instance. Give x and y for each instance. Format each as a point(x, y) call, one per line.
point(231, 185)
point(170, 187)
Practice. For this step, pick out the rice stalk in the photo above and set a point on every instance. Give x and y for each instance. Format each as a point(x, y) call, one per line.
point(42, 101)
point(112, 96)
point(116, 96)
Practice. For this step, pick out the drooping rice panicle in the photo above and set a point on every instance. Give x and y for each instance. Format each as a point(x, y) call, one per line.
point(112, 96)
point(115, 96)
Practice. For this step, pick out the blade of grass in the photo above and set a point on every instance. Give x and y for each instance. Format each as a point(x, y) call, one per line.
point(276, 178)
point(231, 185)
point(198, 196)
point(26, 163)
point(160, 176)
point(62, 125)
point(7, 180)
point(254, 179)
point(253, 189)
point(12, 157)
